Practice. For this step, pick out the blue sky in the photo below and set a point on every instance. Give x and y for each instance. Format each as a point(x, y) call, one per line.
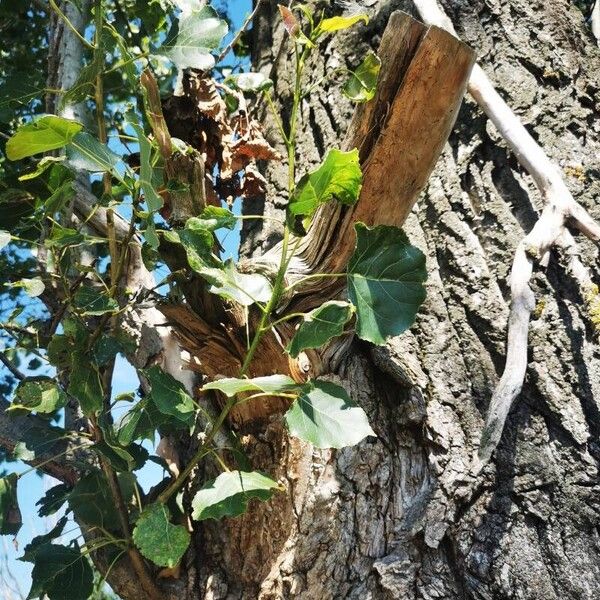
point(32, 486)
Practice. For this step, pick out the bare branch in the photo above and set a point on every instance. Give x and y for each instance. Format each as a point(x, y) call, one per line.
point(559, 208)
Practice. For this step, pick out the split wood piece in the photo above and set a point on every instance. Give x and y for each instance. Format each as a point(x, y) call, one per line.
point(559, 208)
point(400, 135)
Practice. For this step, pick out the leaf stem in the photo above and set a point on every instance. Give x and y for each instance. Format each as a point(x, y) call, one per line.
point(70, 25)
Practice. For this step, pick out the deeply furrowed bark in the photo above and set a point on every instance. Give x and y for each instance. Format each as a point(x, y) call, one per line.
point(400, 516)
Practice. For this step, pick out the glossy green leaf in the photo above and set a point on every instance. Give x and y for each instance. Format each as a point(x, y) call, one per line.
point(198, 32)
point(320, 325)
point(85, 385)
point(385, 282)
point(153, 200)
point(60, 573)
point(337, 23)
point(159, 540)
point(40, 395)
point(85, 152)
point(270, 384)
point(325, 416)
point(92, 301)
point(363, 82)
point(229, 493)
point(42, 135)
point(339, 177)
point(170, 396)
point(5, 238)
point(10, 515)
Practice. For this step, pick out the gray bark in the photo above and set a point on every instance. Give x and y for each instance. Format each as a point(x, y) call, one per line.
point(401, 516)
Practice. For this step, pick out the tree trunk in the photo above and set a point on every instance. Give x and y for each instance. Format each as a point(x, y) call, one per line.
point(401, 516)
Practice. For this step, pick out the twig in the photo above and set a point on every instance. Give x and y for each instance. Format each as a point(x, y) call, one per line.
point(237, 36)
point(6, 362)
point(549, 230)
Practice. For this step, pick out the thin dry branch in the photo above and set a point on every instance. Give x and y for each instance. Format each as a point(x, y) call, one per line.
point(559, 208)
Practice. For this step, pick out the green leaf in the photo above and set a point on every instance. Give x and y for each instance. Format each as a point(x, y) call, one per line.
point(85, 82)
point(189, 44)
point(153, 200)
point(40, 395)
point(43, 134)
point(41, 167)
point(87, 153)
point(325, 416)
point(61, 573)
point(5, 238)
point(385, 282)
point(159, 540)
point(363, 82)
point(216, 217)
point(38, 440)
point(53, 499)
point(270, 384)
point(250, 82)
point(226, 281)
point(320, 325)
point(228, 494)
point(243, 288)
point(33, 287)
point(10, 515)
point(91, 301)
point(339, 177)
point(337, 23)
point(170, 396)
point(120, 458)
point(85, 384)
point(39, 540)
point(91, 502)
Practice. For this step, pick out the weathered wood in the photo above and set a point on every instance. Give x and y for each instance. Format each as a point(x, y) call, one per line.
point(400, 135)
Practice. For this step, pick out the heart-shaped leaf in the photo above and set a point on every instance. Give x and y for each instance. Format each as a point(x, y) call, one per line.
point(228, 494)
point(60, 573)
point(325, 416)
point(385, 282)
point(198, 32)
point(320, 325)
point(41, 135)
point(158, 539)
